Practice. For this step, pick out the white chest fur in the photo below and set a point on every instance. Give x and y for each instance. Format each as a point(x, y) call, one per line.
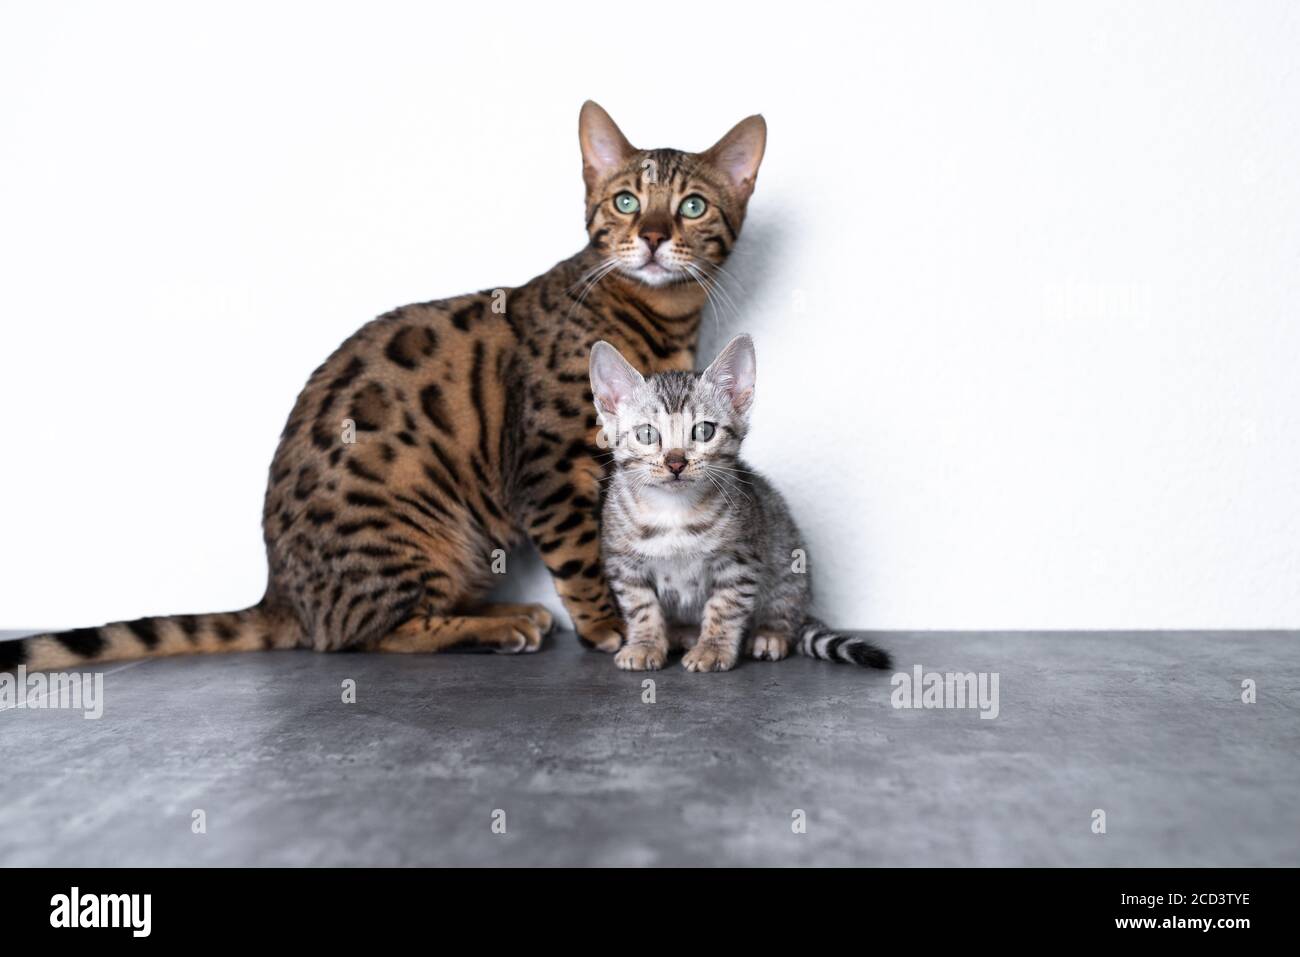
point(683, 585)
point(678, 555)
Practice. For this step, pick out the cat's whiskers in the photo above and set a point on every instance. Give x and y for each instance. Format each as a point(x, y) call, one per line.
point(590, 280)
point(596, 275)
point(719, 271)
point(725, 296)
point(719, 278)
point(716, 291)
point(719, 473)
point(736, 472)
point(697, 276)
point(708, 286)
point(721, 489)
point(586, 276)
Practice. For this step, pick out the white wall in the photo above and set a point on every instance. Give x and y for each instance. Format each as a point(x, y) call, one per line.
point(1024, 278)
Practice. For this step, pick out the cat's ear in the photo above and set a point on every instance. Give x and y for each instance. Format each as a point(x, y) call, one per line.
point(612, 378)
point(738, 154)
point(733, 372)
point(604, 147)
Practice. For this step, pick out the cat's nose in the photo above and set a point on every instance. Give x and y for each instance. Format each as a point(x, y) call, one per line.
point(675, 461)
point(653, 238)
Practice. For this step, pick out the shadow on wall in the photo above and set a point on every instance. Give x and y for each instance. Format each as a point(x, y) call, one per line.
point(743, 283)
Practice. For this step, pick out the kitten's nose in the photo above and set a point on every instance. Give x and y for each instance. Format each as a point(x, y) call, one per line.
point(675, 461)
point(653, 238)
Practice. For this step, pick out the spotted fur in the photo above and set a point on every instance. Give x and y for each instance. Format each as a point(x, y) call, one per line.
point(444, 433)
point(701, 550)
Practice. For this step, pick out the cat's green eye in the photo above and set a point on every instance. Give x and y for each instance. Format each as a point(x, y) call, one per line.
point(625, 202)
point(703, 431)
point(647, 434)
point(693, 207)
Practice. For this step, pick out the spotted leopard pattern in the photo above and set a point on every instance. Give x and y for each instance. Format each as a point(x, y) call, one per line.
point(443, 434)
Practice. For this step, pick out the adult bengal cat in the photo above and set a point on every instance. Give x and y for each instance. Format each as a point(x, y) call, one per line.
point(444, 431)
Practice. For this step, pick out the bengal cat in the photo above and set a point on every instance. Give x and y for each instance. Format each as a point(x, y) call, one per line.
point(442, 434)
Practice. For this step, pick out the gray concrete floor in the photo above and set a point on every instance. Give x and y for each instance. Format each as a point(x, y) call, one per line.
point(1149, 727)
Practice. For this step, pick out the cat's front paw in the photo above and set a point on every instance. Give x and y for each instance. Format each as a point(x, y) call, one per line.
point(641, 656)
point(605, 635)
point(709, 656)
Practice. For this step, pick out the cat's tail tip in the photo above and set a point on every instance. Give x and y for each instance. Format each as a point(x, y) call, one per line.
point(816, 640)
point(253, 629)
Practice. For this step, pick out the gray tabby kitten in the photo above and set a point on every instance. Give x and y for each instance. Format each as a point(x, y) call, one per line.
point(700, 549)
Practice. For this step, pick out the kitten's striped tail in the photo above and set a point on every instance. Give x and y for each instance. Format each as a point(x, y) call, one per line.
point(818, 641)
point(253, 629)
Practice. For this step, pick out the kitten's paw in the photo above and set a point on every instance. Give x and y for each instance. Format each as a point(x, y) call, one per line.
point(766, 646)
point(605, 635)
point(709, 656)
point(640, 656)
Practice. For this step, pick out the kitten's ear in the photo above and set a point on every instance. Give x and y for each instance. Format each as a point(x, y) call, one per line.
point(604, 147)
point(739, 153)
point(612, 378)
point(733, 372)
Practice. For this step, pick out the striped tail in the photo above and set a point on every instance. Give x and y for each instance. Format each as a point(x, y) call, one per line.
point(253, 629)
point(818, 641)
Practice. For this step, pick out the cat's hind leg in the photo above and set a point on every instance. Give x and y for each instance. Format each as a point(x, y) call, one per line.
point(428, 633)
point(770, 643)
point(542, 618)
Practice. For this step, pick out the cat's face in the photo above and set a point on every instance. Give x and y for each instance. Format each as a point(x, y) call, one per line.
point(676, 431)
point(663, 216)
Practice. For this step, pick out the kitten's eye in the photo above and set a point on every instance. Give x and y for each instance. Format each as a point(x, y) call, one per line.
point(703, 431)
point(626, 203)
point(693, 207)
point(647, 434)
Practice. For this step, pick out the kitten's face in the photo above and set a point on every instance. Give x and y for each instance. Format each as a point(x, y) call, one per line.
point(664, 216)
point(677, 431)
